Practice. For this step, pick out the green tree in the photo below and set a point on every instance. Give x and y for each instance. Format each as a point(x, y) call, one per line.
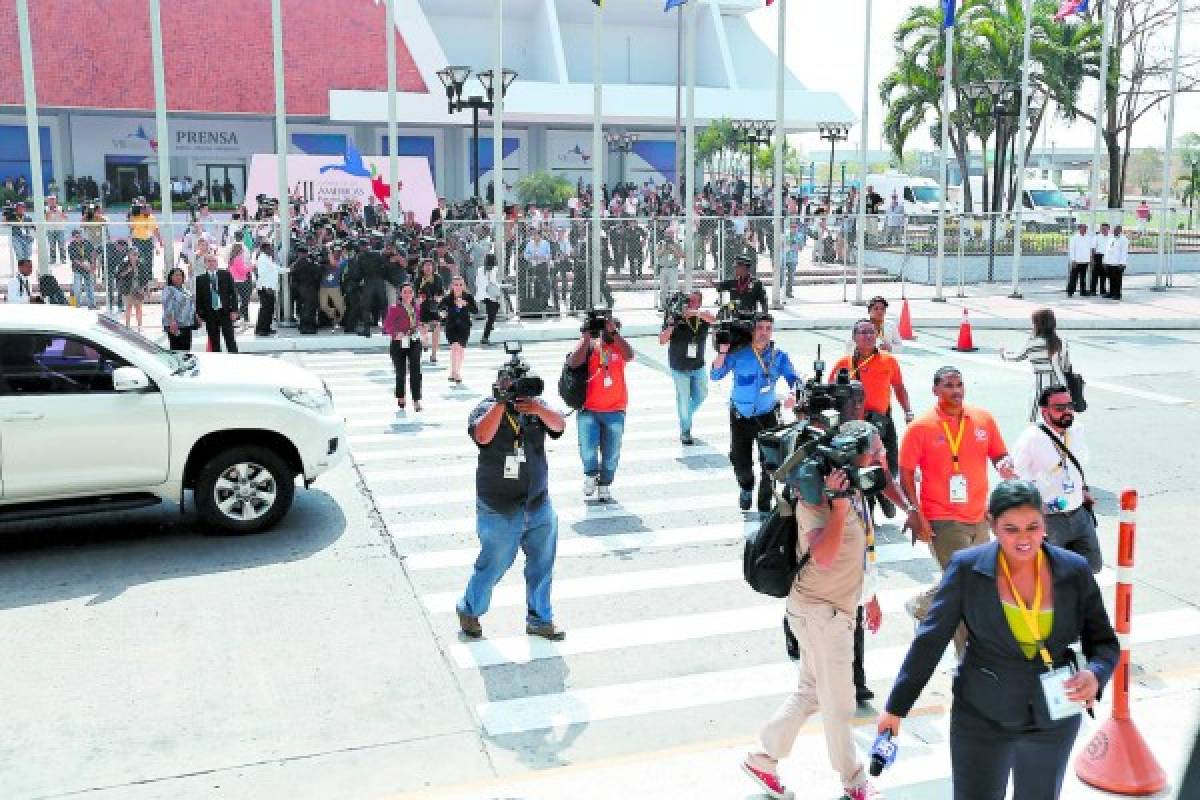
point(545, 190)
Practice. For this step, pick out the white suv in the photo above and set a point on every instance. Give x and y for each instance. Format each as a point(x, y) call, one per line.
point(94, 417)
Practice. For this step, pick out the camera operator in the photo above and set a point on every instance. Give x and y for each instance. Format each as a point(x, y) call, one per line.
point(685, 332)
point(512, 505)
point(602, 418)
point(820, 616)
point(745, 291)
point(879, 373)
point(753, 406)
point(305, 277)
point(535, 295)
point(373, 302)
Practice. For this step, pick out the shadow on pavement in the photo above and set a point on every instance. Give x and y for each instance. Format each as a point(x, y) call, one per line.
point(101, 555)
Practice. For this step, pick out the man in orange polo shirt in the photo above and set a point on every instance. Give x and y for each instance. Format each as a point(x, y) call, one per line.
point(951, 445)
point(879, 373)
point(601, 421)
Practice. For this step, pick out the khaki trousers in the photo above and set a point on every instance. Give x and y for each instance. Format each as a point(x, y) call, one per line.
point(331, 300)
point(950, 536)
point(826, 638)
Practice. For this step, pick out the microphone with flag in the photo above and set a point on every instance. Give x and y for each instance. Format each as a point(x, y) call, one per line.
point(1071, 8)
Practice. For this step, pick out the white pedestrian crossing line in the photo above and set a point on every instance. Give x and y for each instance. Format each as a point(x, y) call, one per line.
point(432, 443)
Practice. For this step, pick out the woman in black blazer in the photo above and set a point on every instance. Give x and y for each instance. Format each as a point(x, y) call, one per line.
point(1000, 722)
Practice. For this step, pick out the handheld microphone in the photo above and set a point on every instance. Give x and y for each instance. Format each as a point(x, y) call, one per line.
point(883, 753)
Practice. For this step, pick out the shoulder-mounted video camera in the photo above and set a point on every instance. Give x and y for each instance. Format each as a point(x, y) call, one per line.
point(734, 327)
point(516, 379)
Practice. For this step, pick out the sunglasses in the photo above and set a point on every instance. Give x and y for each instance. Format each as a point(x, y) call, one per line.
point(1061, 407)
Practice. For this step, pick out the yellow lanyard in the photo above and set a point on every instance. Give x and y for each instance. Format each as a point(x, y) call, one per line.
point(1030, 615)
point(955, 442)
point(696, 327)
point(515, 426)
point(603, 358)
point(411, 312)
point(761, 363)
point(857, 370)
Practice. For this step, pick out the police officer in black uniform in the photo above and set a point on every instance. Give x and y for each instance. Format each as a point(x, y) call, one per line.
point(374, 293)
point(352, 288)
point(305, 276)
point(745, 291)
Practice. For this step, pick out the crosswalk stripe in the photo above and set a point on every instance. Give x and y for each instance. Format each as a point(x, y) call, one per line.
point(464, 468)
point(405, 439)
point(413, 426)
point(584, 513)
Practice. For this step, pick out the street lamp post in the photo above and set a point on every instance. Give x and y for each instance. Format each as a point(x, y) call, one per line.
point(621, 143)
point(833, 132)
point(755, 133)
point(454, 79)
point(1003, 102)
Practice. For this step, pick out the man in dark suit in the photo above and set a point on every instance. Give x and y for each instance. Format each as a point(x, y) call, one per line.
point(216, 304)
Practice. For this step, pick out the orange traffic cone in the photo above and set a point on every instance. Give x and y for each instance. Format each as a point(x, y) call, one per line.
point(906, 331)
point(965, 343)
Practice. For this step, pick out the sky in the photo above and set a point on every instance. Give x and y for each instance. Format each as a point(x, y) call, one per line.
point(821, 63)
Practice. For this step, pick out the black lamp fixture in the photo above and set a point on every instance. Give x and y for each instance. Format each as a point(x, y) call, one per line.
point(753, 132)
point(832, 132)
point(454, 79)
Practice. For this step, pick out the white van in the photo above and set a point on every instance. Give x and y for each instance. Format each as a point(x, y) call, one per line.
point(1046, 207)
point(922, 196)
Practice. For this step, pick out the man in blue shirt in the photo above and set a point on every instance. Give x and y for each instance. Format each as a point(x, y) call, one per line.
point(753, 406)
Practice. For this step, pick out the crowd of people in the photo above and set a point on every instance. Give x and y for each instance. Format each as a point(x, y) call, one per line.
point(1018, 561)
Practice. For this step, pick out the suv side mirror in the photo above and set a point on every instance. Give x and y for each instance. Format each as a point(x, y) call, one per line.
point(130, 379)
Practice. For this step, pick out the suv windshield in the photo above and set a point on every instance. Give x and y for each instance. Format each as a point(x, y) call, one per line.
point(135, 339)
point(927, 194)
point(1048, 198)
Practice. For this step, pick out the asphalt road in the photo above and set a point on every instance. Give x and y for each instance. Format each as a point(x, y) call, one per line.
point(143, 658)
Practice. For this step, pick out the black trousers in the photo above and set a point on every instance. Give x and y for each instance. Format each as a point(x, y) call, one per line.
point(492, 307)
point(407, 362)
point(1099, 276)
point(742, 434)
point(180, 341)
point(374, 301)
point(1078, 275)
point(220, 325)
point(1116, 276)
point(983, 755)
point(266, 311)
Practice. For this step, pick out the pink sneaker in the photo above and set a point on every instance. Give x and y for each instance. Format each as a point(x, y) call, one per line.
point(864, 792)
point(767, 781)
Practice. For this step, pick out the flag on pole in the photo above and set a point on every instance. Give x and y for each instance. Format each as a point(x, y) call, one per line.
point(770, 1)
point(674, 4)
point(948, 13)
point(598, 3)
point(1071, 8)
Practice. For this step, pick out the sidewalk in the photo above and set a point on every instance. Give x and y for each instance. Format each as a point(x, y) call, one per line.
point(821, 307)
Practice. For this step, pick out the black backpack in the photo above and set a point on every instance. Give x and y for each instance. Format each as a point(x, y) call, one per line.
point(769, 562)
point(572, 384)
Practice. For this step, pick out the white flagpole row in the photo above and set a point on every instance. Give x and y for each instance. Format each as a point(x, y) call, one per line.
point(33, 132)
point(1022, 134)
point(1168, 154)
point(780, 143)
point(498, 142)
point(862, 160)
point(389, 27)
point(688, 196)
point(597, 263)
point(945, 166)
point(164, 139)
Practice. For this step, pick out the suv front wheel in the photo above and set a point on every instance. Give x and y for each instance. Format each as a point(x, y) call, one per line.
point(244, 489)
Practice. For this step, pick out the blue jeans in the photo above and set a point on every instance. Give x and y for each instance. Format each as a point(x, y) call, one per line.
point(691, 387)
point(600, 435)
point(500, 534)
point(83, 288)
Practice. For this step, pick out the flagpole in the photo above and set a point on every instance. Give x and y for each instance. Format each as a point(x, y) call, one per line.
point(393, 133)
point(678, 94)
point(1168, 154)
point(284, 309)
point(688, 182)
point(597, 153)
point(1021, 140)
point(1101, 102)
point(945, 167)
point(164, 139)
point(862, 159)
point(501, 244)
point(33, 132)
point(780, 143)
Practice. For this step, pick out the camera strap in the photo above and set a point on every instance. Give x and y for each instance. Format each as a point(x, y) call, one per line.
point(782, 505)
point(1062, 448)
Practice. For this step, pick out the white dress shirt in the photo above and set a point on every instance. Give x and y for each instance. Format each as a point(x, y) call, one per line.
point(1117, 253)
point(19, 290)
point(1080, 248)
point(1035, 458)
point(1100, 243)
point(268, 272)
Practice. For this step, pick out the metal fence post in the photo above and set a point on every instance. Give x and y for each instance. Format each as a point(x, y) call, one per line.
point(961, 225)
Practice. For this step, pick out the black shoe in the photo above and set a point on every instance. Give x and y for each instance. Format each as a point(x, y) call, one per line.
point(765, 497)
point(745, 498)
point(686, 438)
point(863, 695)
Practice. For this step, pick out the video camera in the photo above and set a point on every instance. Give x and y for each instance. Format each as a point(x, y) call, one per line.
point(674, 307)
point(734, 327)
point(521, 380)
point(815, 446)
point(597, 321)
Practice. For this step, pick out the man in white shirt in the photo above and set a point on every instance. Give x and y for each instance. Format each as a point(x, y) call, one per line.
point(893, 220)
point(1116, 258)
point(1099, 248)
point(1079, 256)
point(535, 294)
point(20, 288)
point(1040, 456)
point(268, 284)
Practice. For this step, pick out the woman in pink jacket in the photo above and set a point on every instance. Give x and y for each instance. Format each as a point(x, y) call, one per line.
point(404, 327)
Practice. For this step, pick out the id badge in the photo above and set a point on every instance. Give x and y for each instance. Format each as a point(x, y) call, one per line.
point(608, 381)
point(1056, 694)
point(958, 488)
point(512, 468)
point(1068, 485)
point(519, 453)
point(404, 340)
point(693, 350)
point(766, 389)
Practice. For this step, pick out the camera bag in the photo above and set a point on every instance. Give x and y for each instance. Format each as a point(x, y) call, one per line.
point(769, 562)
point(572, 384)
